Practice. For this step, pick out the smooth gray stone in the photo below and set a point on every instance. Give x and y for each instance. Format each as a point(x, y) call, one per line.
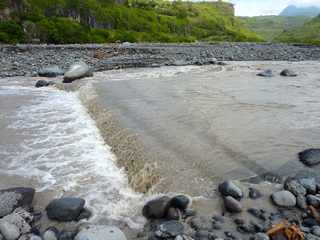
point(266, 73)
point(284, 199)
point(76, 71)
point(100, 232)
point(316, 230)
point(232, 205)
point(52, 71)
point(9, 231)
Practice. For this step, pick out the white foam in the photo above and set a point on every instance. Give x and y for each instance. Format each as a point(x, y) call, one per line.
point(142, 73)
point(62, 148)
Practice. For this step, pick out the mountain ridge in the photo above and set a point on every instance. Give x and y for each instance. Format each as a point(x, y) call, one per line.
point(292, 10)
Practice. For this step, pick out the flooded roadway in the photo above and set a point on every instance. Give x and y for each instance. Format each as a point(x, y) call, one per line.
point(205, 124)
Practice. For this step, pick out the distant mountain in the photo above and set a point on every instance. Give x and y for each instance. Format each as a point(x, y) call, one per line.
point(292, 10)
point(270, 27)
point(308, 33)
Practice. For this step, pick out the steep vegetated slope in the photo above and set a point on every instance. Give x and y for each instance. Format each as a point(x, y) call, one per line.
point(270, 27)
point(83, 21)
point(309, 33)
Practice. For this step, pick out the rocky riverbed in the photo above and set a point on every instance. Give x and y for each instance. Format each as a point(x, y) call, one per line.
point(28, 60)
point(237, 211)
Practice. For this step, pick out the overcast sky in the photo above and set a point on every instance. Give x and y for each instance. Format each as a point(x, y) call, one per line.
point(267, 7)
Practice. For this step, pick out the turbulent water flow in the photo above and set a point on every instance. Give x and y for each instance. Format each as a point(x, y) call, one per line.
point(52, 140)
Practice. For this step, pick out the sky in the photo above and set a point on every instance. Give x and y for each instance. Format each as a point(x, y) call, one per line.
point(267, 7)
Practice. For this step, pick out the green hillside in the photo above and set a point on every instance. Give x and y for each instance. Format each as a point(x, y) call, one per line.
point(100, 21)
point(309, 33)
point(270, 27)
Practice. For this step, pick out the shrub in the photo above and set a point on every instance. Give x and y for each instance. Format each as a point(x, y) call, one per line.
point(11, 32)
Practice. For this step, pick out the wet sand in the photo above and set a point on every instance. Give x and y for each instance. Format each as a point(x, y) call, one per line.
point(206, 124)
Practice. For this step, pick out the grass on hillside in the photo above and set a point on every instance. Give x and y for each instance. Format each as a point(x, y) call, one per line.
point(269, 27)
point(309, 33)
point(136, 21)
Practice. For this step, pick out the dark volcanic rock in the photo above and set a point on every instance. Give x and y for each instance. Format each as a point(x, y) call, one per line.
point(255, 212)
point(266, 73)
point(239, 221)
point(68, 235)
point(12, 198)
point(295, 187)
point(157, 208)
point(284, 199)
point(65, 209)
point(310, 157)
point(288, 73)
point(181, 202)
point(313, 200)
point(43, 83)
point(246, 228)
point(170, 229)
point(232, 205)
point(85, 214)
point(52, 71)
point(254, 193)
point(173, 214)
point(309, 222)
point(309, 184)
point(228, 188)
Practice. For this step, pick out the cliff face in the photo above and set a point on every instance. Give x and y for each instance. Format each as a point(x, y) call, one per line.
point(81, 14)
point(9, 6)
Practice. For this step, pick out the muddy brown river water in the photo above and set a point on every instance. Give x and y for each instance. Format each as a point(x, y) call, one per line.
point(200, 124)
point(206, 124)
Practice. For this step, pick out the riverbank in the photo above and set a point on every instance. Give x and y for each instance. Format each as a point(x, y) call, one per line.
point(201, 124)
point(28, 60)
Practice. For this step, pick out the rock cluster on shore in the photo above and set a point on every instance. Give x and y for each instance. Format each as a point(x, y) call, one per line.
point(29, 60)
point(296, 207)
point(186, 224)
point(18, 220)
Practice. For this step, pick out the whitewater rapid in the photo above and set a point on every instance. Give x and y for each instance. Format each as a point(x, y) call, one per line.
point(57, 144)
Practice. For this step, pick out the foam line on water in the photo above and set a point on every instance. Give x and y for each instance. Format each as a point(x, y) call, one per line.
point(64, 151)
